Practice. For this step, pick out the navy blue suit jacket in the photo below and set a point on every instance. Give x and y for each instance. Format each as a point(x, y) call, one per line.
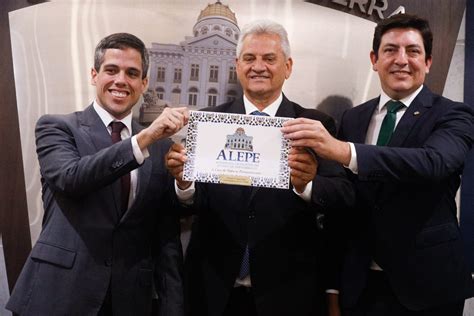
point(86, 245)
point(279, 228)
point(405, 213)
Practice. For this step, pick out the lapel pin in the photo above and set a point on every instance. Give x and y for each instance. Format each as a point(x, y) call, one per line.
point(416, 113)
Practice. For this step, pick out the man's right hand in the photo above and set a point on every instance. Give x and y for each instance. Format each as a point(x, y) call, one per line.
point(174, 161)
point(170, 121)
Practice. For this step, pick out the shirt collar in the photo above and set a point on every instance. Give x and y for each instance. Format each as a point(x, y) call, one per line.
point(107, 118)
point(270, 109)
point(384, 98)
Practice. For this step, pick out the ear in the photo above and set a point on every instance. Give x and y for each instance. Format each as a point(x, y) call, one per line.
point(373, 60)
point(144, 84)
point(289, 67)
point(429, 61)
point(93, 76)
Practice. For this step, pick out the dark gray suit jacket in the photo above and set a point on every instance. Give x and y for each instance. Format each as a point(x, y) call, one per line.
point(405, 214)
point(278, 226)
point(86, 246)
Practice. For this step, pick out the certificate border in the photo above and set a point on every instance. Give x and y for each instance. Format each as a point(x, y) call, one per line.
point(282, 181)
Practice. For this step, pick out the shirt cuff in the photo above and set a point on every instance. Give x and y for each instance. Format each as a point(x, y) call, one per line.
point(353, 162)
point(185, 196)
point(306, 194)
point(331, 291)
point(140, 155)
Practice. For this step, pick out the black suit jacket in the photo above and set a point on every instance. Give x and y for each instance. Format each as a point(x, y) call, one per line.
point(85, 245)
point(279, 227)
point(405, 215)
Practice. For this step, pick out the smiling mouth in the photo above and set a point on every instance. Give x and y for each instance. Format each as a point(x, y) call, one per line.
point(259, 77)
point(400, 73)
point(119, 94)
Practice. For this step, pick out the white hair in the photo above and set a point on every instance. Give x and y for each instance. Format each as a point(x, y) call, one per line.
point(265, 27)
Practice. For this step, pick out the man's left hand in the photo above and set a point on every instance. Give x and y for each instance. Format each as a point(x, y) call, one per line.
point(303, 166)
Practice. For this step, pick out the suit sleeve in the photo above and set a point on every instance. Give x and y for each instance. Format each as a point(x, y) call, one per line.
point(334, 194)
point(332, 190)
point(439, 156)
point(68, 162)
point(169, 266)
point(168, 272)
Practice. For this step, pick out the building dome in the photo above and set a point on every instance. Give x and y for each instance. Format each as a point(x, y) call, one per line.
point(217, 10)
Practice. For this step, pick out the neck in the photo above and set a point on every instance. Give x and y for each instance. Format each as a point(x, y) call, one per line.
point(261, 102)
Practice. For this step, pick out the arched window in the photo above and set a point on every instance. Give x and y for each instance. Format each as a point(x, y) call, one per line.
point(204, 30)
point(160, 93)
point(212, 97)
point(228, 32)
point(175, 96)
point(216, 28)
point(192, 96)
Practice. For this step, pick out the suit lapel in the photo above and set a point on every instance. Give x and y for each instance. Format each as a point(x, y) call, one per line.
point(420, 104)
point(285, 109)
point(95, 129)
point(364, 117)
point(237, 106)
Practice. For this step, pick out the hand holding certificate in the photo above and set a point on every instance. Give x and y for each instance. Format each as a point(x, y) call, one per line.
point(237, 149)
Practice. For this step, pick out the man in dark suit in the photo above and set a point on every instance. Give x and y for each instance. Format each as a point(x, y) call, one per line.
point(110, 233)
point(405, 253)
point(274, 229)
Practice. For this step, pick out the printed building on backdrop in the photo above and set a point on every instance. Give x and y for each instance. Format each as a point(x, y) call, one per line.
point(199, 71)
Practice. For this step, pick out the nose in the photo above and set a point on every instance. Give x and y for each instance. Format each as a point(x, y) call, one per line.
point(258, 65)
point(120, 78)
point(401, 57)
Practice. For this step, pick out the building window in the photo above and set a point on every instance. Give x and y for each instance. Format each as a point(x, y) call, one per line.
point(175, 96)
point(160, 75)
point(204, 30)
point(232, 75)
point(212, 97)
point(216, 28)
point(228, 32)
point(194, 72)
point(192, 96)
point(177, 75)
point(213, 73)
point(231, 95)
point(160, 93)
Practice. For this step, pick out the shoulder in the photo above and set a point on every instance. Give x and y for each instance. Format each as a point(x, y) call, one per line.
point(59, 119)
point(444, 107)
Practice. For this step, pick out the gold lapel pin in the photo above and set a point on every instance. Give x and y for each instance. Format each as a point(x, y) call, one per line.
point(416, 113)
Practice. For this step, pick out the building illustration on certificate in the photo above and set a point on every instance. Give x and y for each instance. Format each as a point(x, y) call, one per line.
point(199, 71)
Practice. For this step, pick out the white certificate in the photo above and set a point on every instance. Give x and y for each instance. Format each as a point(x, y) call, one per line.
point(237, 149)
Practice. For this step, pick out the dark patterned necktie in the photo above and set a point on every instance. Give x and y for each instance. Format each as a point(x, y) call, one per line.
point(388, 123)
point(125, 179)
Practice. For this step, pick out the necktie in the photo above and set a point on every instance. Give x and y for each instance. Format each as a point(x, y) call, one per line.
point(259, 113)
point(125, 179)
point(388, 123)
point(245, 265)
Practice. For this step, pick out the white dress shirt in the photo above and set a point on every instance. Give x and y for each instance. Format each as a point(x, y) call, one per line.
point(140, 156)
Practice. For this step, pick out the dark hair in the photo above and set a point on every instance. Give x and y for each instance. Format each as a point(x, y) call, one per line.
point(121, 41)
point(404, 21)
